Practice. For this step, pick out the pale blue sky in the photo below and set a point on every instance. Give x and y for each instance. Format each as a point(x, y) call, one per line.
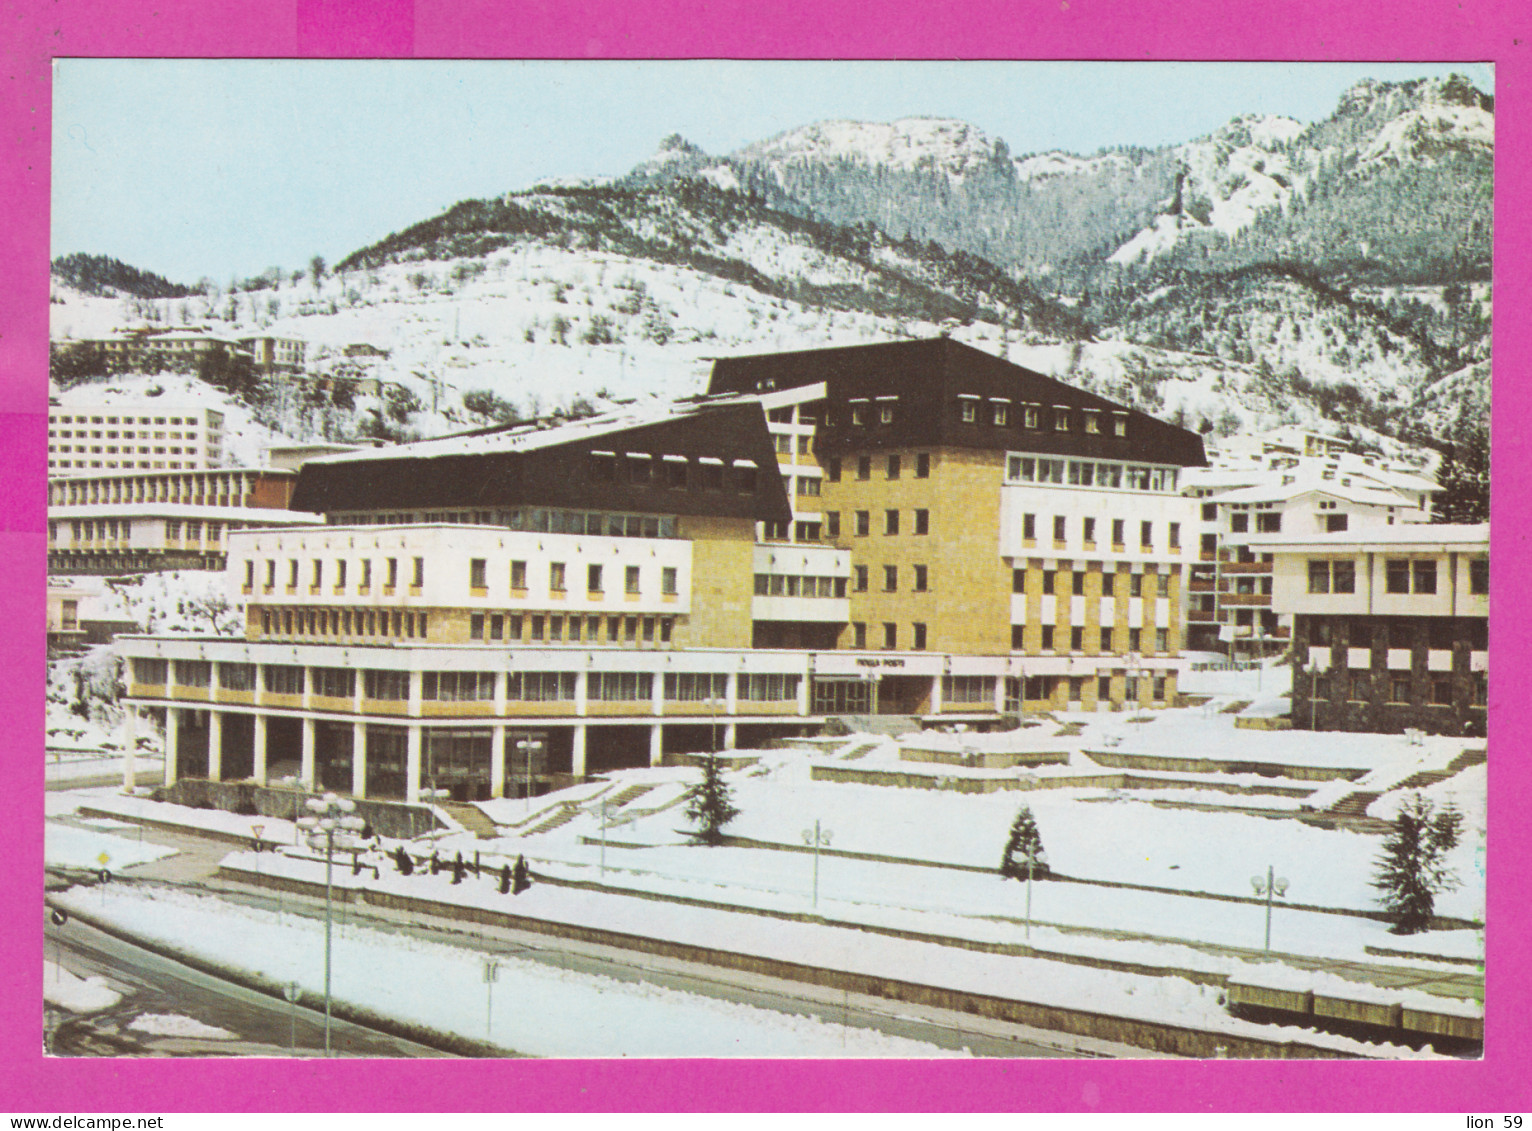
point(226, 167)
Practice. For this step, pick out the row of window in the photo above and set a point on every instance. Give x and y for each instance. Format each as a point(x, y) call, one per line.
point(1088, 530)
point(1400, 576)
point(1439, 633)
point(1402, 688)
point(535, 520)
point(1090, 473)
point(390, 572)
point(1109, 639)
point(920, 578)
point(861, 523)
point(463, 687)
point(1062, 583)
point(791, 585)
point(174, 421)
point(893, 466)
point(559, 628)
point(385, 623)
point(478, 577)
point(142, 465)
point(677, 473)
point(151, 489)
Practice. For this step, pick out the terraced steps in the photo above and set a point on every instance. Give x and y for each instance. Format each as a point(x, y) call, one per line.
point(472, 818)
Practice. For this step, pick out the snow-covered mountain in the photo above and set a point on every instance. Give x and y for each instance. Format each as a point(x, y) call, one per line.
point(1332, 275)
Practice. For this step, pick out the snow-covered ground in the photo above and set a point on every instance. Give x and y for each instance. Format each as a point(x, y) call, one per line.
point(67, 847)
point(531, 1008)
point(70, 992)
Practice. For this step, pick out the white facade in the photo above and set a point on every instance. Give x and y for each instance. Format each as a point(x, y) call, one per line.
point(86, 437)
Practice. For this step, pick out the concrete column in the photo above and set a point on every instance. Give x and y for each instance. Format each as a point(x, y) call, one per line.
point(1000, 693)
point(417, 685)
point(936, 694)
point(358, 759)
point(730, 735)
point(258, 761)
point(731, 694)
point(577, 753)
point(657, 699)
point(172, 743)
point(656, 744)
point(412, 743)
point(804, 688)
point(497, 761)
point(582, 688)
point(306, 771)
point(130, 746)
point(215, 746)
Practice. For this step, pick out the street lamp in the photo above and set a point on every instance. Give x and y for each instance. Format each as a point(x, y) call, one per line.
point(528, 747)
point(1269, 886)
point(817, 837)
point(603, 837)
point(292, 992)
point(331, 822)
point(491, 974)
point(713, 703)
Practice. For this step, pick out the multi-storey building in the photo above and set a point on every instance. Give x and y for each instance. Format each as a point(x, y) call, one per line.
point(1391, 626)
point(267, 487)
point(88, 436)
point(505, 610)
point(274, 355)
point(112, 538)
point(988, 511)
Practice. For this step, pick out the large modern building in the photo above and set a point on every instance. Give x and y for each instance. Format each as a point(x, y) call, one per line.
point(1391, 627)
point(95, 436)
point(914, 528)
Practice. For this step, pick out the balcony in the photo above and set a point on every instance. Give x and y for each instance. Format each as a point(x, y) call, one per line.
point(1248, 600)
point(1245, 567)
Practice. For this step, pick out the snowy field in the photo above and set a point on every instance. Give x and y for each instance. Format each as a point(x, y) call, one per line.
point(535, 1009)
point(67, 847)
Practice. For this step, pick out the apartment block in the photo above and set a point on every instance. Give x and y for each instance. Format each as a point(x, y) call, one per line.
point(1391, 627)
point(97, 436)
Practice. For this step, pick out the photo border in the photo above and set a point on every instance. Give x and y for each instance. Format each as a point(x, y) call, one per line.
point(1186, 30)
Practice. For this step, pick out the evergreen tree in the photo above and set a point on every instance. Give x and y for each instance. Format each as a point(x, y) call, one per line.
point(1464, 476)
point(1411, 870)
point(521, 878)
point(1024, 838)
point(710, 805)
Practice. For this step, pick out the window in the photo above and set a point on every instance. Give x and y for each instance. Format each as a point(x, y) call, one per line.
point(1135, 585)
point(1397, 575)
point(1047, 638)
point(593, 579)
point(1092, 421)
point(922, 521)
point(518, 575)
point(366, 583)
point(1162, 640)
point(1049, 581)
point(477, 578)
point(893, 467)
point(668, 581)
point(249, 575)
point(392, 573)
point(864, 467)
point(1335, 523)
point(457, 687)
point(808, 487)
point(1399, 689)
point(1239, 523)
point(863, 523)
point(858, 635)
point(969, 411)
point(859, 578)
point(630, 579)
point(393, 686)
point(1018, 637)
point(1478, 576)
point(496, 626)
point(832, 524)
point(1078, 583)
point(1268, 522)
point(1425, 576)
point(1343, 577)
point(918, 632)
point(890, 522)
point(1134, 635)
point(418, 577)
point(1029, 527)
point(890, 635)
point(1119, 531)
point(968, 688)
point(1018, 581)
point(1175, 535)
point(1146, 535)
point(334, 683)
point(999, 414)
point(1106, 639)
point(1441, 690)
point(890, 578)
point(922, 465)
point(283, 679)
point(1058, 528)
point(1060, 419)
point(695, 687)
point(768, 687)
point(1088, 530)
point(556, 577)
point(832, 470)
point(1119, 424)
point(1077, 639)
point(745, 478)
point(476, 626)
point(236, 677)
point(620, 686)
point(920, 579)
point(858, 415)
point(340, 574)
point(540, 687)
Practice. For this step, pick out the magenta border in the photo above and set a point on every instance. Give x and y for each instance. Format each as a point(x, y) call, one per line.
point(1445, 30)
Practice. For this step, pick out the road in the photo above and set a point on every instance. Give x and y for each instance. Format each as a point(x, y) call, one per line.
point(153, 984)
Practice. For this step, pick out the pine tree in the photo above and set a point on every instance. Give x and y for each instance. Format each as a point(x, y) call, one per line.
point(1411, 870)
point(710, 804)
point(1464, 476)
point(1024, 837)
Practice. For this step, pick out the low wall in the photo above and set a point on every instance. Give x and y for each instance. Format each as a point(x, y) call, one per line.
point(985, 759)
point(390, 818)
point(1157, 1036)
point(1309, 1007)
point(1263, 722)
point(1224, 766)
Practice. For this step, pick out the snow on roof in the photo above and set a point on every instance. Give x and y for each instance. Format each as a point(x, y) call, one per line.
point(1414, 535)
point(1373, 494)
point(268, 515)
point(530, 437)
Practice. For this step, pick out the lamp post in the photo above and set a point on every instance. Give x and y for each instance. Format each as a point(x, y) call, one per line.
point(817, 837)
point(1031, 864)
point(296, 784)
point(331, 822)
point(292, 991)
point(713, 703)
point(603, 837)
point(491, 973)
point(528, 747)
point(1271, 885)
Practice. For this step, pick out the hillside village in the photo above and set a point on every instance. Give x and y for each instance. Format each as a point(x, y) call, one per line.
point(799, 474)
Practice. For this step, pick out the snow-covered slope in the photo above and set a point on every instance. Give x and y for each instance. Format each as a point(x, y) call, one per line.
point(926, 145)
